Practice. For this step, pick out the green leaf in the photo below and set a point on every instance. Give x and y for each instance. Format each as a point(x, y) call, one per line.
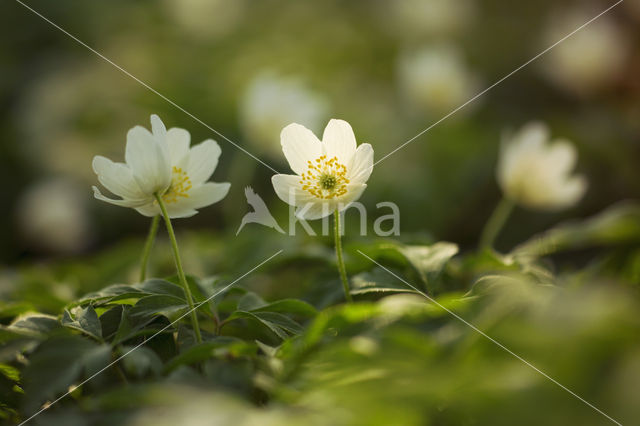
point(281, 325)
point(377, 280)
point(250, 301)
point(34, 325)
point(168, 306)
point(288, 306)
point(60, 362)
point(141, 361)
point(428, 259)
point(617, 225)
point(119, 292)
point(83, 319)
point(208, 349)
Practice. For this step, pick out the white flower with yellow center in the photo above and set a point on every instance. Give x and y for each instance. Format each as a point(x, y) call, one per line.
point(537, 174)
point(330, 173)
point(161, 162)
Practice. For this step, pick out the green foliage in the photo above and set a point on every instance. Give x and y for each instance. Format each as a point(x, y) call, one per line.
point(393, 357)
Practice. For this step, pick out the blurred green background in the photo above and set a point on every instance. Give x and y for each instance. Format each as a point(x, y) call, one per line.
point(568, 303)
point(248, 68)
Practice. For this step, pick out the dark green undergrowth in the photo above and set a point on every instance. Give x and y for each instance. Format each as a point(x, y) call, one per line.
point(470, 344)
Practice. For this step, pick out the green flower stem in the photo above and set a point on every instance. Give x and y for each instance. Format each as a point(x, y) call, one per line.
point(181, 276)
point(496, 222)
point(153, 230)
point(341, 268)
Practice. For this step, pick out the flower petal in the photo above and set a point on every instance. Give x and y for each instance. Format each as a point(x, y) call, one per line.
point(203, 160)
point(354, 191)
point(561, 157)
point(362, 164)
point(117, 178)
point(339, 141)
point(178, 141)
point(157, 127)
point(147, 161)
point(314, 210)
point(289, 189)
point(300, 145)
point(122, 203)
point(206, 194)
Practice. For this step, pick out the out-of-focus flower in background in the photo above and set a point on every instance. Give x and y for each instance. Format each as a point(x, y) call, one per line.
point(416, 18)
point(536, 173)
point(206, 18)
point(161, 163)
point(329, 174)
point(62, 124)
point(271, 102)
point(53, 216)
point(436, 79)
point(590, 59)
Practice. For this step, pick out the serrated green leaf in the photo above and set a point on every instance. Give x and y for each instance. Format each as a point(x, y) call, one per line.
point(377, 281)
point(288, 306)
point(83, 319)
point(149, 306)
point(34, 325)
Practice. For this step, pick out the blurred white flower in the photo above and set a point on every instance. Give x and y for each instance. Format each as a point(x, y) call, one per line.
point(436, 78)
point(536, 173)
point(206, 18)
point(161, 162)
point(271, 102)
point(52, 215)
point(590, 59)
point(330, 173)
point(430, 17)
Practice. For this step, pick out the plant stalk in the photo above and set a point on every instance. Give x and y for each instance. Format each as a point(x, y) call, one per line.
point(153, 230)
point(181, 276)
point(341, 267)
point(496, 222)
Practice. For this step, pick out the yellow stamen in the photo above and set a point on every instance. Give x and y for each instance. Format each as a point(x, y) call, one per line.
point(324, 178)
point(180, 186)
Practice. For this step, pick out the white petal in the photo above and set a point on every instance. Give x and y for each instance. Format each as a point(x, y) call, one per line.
point(122, 203)
point(300, 145)
point(157, 127)
point(150, 210)
point(315, 210)
point(206, 194)
point(203, 160)
point(147, 161)
point(354, 191)
point(117, 178)
point(561, 157)
point(362, 164)
point(178, 141)
point(289, 189)
point(339, 141)
point(520, 149)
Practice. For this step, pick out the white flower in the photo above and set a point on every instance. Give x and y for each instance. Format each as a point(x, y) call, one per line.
point(161, 162)
point(436, 78)
point(53, 216)
point(588, 60)
point(330, 173)
point(272, 102)
point(537, 174)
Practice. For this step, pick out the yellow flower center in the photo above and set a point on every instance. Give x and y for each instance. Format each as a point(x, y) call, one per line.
point(180, 185)
point(325, 178)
